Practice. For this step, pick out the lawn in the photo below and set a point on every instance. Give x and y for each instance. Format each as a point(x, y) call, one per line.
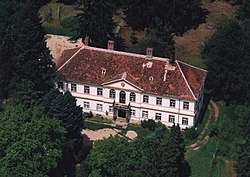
point(94, 124)
point(203, 163)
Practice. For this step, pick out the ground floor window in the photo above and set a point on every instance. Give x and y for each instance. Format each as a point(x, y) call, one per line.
point(111, 109)
point(144, 114)
point(99, 107)
point(86, 105)
point(185, 121)
point(171, 118)
point(132, 113)
point(157, 116)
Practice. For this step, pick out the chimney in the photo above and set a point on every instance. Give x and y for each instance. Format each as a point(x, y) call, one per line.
point(86, 41)
point(149, 53)
point(111, 45)
point(172, 58)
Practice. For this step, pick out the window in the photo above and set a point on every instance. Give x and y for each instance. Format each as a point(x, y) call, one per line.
point(112, 93)
point(145, 98)
point(159, 101)
point(144, 114)
point(185, 105)
point(111, 109)
point(99, 107)
point(60, 85)
point(157, 116)
point(132, 96)
point(86, 105)
point(86, 89)
point(171, 118)
point(132, 113)
point(73, 87)
point(99, 91)
point(185, 121)
point(172, 103)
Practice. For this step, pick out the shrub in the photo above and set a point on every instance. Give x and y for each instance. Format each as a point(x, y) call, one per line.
point(191, 133)
point(149, 124)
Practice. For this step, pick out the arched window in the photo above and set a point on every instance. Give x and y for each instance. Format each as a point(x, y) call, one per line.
point(132, 96)
point(112, 93)
point(122, 97)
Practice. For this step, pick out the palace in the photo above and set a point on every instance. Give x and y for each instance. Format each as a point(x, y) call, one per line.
point(131, 86)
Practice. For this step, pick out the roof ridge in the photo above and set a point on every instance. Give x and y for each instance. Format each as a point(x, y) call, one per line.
point(192, 66)
point(71, 57)
point(185, 80)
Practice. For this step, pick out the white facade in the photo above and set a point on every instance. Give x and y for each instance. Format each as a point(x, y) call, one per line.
point(165, 109)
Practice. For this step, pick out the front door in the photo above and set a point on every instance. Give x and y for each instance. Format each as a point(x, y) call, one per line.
point(122, 113)
point(122, 97)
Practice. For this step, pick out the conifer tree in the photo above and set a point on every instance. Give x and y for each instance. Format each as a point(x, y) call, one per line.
point(6, 67)
point(31, 58)
point(95, 21)
point(160, 39)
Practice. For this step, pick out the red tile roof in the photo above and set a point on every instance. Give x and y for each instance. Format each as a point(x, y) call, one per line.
point(85, 65)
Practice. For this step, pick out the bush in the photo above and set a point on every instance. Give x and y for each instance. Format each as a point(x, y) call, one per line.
point(191, 133)
point(87, 115)
point(149, 124)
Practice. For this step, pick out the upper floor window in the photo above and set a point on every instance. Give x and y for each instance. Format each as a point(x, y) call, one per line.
point(172, 103)
point(60, 85)
point(157, 116)
point(144, 114)
point(159, 101)
point(99, 107)
point(185, 105)
point(171, 118)
point(86, 105)
point(132, 113)
point(86, 89)
point(185, 121)
point(112, 93)
point(73, 87)
point(132, 96)
point(145, 98)
point(99, 91)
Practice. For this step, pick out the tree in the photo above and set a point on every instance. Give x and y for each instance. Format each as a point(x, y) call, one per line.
point(95, 21)
point(160, 39)
point(31, 144)
point(227, 57)
point(112, 157)
point(243, 12)
point(180, 15)
point(63, 107)
point(31, 58)
point(5, 64)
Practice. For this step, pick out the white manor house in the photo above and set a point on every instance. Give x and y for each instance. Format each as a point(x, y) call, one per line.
point(132, 86)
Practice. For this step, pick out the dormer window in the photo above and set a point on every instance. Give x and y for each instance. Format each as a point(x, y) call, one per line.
point(151, 78)
point(103, 71)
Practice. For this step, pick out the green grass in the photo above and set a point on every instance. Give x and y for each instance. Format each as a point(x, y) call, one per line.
point(95, 125)
point(142, 132)
point(201, 161)
point(184, 55)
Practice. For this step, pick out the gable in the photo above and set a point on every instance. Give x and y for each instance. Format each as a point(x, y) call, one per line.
point(122, 85)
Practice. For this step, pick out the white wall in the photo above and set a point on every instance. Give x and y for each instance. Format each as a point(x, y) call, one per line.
point(138, 105)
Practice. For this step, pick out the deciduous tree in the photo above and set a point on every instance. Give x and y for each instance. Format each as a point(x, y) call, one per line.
point(31, 143)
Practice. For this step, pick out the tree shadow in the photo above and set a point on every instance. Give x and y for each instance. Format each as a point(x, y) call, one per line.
point(185, 170)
